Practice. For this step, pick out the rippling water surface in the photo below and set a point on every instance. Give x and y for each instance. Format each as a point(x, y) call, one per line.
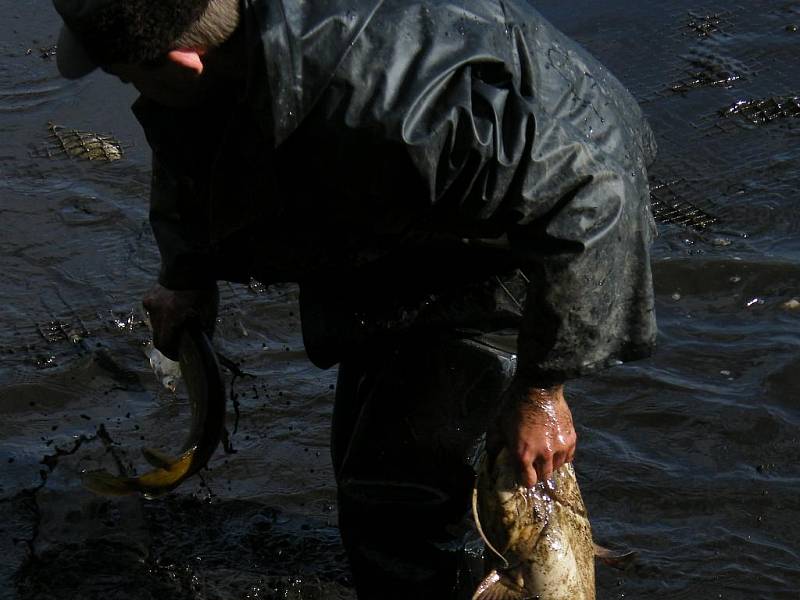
point(691, 457)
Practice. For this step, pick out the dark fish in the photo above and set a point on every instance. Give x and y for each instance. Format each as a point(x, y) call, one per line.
point(200, 371)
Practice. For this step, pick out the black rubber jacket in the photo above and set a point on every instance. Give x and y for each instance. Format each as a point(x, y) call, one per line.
point(393, 155)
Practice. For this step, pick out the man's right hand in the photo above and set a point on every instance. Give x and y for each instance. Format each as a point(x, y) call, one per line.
point(535, 425)
point(169, 311)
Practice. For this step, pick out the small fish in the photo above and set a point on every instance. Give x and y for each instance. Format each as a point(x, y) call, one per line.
point(538, 540)
point(200, 371)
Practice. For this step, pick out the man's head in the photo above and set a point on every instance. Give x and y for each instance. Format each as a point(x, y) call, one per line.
point(138, 32)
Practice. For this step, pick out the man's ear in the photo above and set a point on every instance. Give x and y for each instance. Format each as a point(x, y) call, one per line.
point(187, 59)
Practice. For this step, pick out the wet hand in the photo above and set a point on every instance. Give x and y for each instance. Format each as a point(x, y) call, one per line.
point(535, 424)
point(170, 310)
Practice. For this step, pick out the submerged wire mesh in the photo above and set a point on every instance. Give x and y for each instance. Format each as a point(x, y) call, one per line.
point(83, 144)
point(669, 208)
point(705, 25)
point(759, 112)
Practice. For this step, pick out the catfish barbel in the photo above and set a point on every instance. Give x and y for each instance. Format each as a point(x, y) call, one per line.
point(200, 371)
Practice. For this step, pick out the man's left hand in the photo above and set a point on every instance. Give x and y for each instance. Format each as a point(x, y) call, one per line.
point(170, 310)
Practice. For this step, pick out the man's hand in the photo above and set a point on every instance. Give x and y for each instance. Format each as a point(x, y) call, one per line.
point(170, 310)
point(535, 424)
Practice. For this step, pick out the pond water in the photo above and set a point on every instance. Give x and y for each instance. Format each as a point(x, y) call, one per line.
point(691, 457)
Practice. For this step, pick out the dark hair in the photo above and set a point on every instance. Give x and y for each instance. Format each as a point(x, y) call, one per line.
point(137, 31)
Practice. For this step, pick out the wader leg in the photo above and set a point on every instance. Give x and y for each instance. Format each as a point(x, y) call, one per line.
point(407, 420)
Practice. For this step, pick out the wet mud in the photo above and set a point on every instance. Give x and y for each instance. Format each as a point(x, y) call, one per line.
point(691, 458)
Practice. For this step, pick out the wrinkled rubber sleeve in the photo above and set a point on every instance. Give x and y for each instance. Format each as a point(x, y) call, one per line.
point(519, 140)
point(589, 304)
point(184, 157)
point(176, 217)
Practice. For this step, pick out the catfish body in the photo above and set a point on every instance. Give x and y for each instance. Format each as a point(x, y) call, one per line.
point(538, 540)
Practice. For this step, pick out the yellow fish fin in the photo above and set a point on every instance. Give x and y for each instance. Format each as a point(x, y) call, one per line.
point(169, 476)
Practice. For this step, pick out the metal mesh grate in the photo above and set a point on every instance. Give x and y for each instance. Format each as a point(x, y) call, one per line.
point(778, 111)
point(760, 112)
point(669, 208)
point(709, 67)
point(705, 25)
point(82, 144)
point(715, 50)
point(705, 78)
point(58, 330)
point(709, 64)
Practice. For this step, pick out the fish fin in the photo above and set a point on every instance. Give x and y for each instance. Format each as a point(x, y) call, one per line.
point(104, 483)
point(153, 483)
point(618, 560)
point(157, 458)
point(497, 586)
point(163, 479)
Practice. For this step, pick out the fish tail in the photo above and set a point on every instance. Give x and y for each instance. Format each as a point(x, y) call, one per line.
point(104, 483)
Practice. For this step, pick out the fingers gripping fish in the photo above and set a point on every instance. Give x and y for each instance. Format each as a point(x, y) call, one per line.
point(200, 370)
point(539, 541)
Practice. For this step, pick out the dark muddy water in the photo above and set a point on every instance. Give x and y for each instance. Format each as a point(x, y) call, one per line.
point(691, 457)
